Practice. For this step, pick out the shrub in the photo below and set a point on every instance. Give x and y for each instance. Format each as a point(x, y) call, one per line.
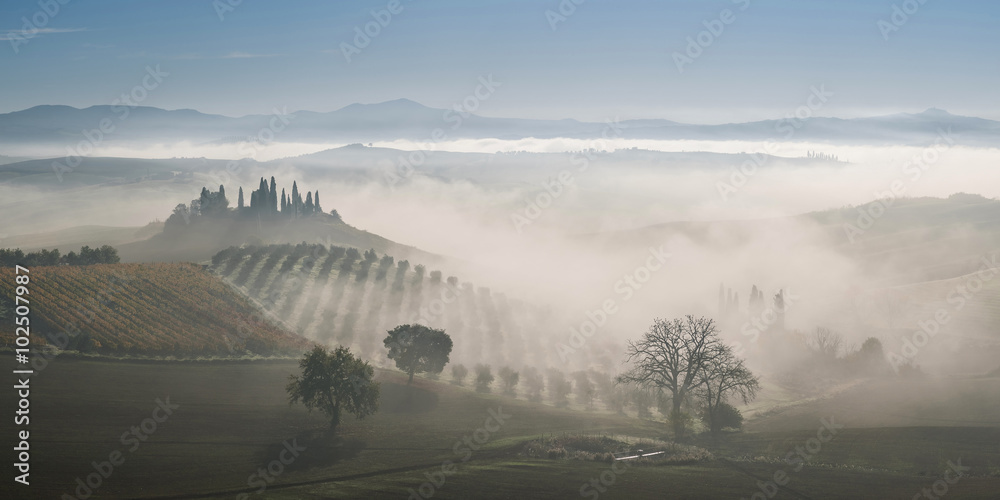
point(726, 416)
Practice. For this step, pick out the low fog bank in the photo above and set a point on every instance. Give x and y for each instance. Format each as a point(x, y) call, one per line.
point(574, 245)
point(582, 233)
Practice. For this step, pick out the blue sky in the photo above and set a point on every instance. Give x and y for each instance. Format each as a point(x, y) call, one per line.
point(607, 58)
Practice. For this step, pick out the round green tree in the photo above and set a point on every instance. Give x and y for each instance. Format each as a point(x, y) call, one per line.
point(418, 349)
point(334, 381)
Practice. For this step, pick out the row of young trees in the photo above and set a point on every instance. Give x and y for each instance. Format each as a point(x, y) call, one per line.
point(343, 296)
point(87, 256)
point(674, 363)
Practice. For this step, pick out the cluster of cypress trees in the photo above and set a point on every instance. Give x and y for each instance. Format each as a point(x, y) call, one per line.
point(265, 200)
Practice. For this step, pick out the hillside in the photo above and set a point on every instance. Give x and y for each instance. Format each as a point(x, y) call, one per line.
point(75, 237)
point(197, 243)
point(336, 295)
point(406, 119)
point(176, 310)
point(913, 240)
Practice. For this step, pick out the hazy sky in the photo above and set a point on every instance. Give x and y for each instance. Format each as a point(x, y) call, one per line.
point(602, 59)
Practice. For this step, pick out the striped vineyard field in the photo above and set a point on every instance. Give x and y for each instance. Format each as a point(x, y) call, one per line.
point(336, 295)
point(156, 309)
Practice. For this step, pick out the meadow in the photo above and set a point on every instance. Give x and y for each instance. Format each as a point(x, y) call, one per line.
point(232, 421)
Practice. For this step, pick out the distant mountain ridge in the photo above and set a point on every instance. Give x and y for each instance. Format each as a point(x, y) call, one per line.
point(409, 120)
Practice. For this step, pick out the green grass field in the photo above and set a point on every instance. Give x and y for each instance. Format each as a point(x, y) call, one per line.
point(233, 419)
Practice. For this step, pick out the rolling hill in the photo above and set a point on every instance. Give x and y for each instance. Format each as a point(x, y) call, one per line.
point(177, 310)
point(406, 119)
point(335, 295)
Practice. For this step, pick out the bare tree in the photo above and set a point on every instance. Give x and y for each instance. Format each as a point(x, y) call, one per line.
point(725, 376)
point(670, 357)
point(827, 342)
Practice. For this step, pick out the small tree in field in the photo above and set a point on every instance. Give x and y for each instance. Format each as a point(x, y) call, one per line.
point(510, 379)
point(559, 388)
point(416, 348)
point(534, 383)
point(484, 377)
point(458, 373)
point(335, 381)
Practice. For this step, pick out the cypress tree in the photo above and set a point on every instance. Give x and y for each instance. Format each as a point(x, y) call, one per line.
point(296, 200)
point(284, 204)
point(204, 200)
point(240, 202)
point(309, 203)
point(273, 197)
point(318, 208)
